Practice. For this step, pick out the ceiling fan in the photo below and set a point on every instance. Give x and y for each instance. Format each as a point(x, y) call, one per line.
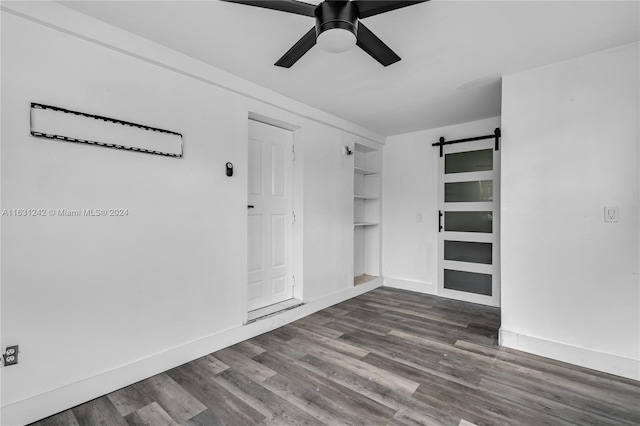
point(338, 26)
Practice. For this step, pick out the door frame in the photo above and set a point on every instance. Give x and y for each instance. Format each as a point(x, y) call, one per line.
point(494, 268)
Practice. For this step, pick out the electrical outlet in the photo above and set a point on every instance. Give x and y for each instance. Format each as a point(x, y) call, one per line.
point(10, 355)
point(611, 214)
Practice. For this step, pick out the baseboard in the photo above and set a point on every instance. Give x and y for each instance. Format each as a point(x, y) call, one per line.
point(54, 401)
point(605, 362)
point(417, 286)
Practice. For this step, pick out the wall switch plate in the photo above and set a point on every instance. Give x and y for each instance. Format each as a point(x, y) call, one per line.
point(611, 214)
point(10, 355)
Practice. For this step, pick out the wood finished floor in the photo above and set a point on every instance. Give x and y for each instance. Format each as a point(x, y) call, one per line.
point(386, 357)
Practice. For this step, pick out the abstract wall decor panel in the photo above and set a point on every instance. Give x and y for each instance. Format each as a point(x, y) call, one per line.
point(57, 123)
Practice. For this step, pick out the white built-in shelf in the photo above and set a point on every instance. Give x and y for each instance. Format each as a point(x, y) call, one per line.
point(364, 278)
point(363, 171)
point(367, 196)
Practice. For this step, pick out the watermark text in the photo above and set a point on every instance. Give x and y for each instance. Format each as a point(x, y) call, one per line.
point(64, 212)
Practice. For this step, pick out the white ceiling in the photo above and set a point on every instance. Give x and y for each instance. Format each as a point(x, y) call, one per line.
point(454, 53)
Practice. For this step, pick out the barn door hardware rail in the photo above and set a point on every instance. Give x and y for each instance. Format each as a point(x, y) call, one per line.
point(496, 134)
point(51, 122)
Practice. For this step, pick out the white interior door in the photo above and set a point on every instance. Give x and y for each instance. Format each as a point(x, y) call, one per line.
point(469, 204)
point(270, 215)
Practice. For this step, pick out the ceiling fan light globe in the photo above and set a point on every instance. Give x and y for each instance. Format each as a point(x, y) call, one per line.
point(336, 40)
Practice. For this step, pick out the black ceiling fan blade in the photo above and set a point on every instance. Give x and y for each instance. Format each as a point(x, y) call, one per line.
point(291, 6)
point(301, 47)
point(372, 7)
point(371, 44)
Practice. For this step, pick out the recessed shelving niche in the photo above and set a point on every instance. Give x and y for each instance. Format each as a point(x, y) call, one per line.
point(366, 212)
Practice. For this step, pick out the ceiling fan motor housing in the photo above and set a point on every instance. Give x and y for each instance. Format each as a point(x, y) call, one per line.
point(336, 15)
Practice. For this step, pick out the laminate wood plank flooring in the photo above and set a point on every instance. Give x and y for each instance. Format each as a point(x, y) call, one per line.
point(364, 278)
point(387, 357)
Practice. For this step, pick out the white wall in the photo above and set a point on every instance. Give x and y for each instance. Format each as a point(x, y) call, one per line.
point(99, 303)
point(410, 188)
point(328, 213)
point(570, 147)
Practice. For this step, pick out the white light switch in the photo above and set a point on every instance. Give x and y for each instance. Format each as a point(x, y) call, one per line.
point(419, 217)
point(611, 213)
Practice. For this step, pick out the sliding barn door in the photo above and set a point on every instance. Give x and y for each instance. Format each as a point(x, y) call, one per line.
point(469, 208)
